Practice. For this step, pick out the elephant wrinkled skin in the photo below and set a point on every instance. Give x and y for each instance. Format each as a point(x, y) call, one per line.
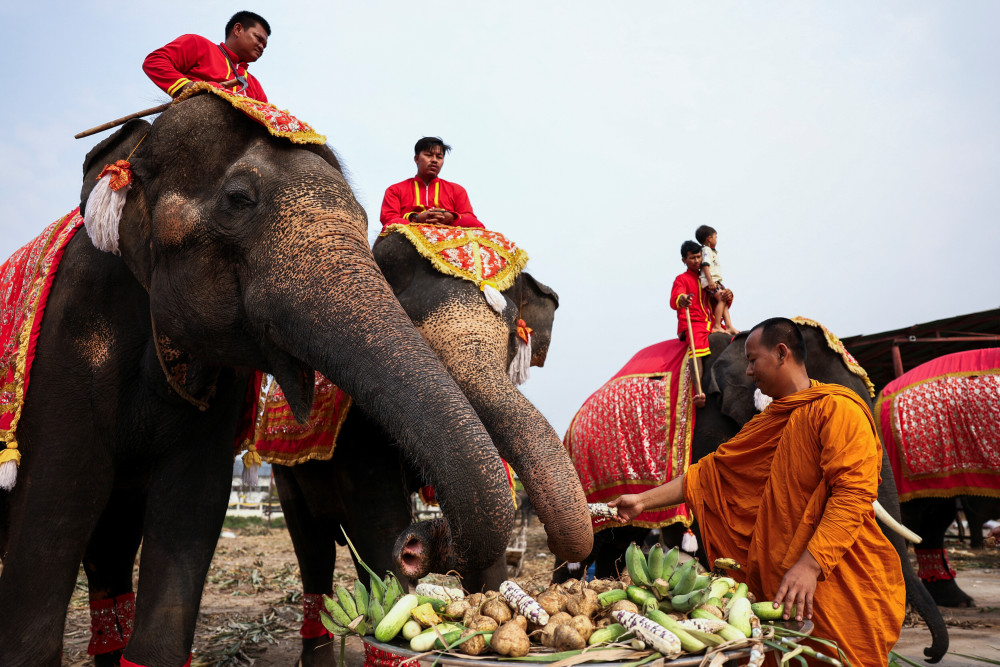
point(247, 252)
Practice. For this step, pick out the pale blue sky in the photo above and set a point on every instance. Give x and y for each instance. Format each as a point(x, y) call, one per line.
point(848, 153)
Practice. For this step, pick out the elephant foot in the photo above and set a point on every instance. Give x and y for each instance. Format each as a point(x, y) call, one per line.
point(946, 593)
point(320, 652)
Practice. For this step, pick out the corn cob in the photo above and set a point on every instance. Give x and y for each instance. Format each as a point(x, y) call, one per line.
point(706, 638)
point(688, 642)
point(602, 511)
point(523, 602)
point(702, 624)
point(650, 632)
point(439, 592)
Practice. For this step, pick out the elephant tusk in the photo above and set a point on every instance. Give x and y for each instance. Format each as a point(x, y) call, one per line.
point(882, 515)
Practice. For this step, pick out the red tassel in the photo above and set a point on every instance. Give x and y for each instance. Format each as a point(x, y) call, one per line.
point(120, 173)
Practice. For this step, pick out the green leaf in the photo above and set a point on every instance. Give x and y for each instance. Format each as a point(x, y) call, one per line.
point(988, 661)
point(376, 581)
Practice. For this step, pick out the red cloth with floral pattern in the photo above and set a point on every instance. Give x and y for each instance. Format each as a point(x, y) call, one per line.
point(25, 281)
point(478, 255)
point(940, 423)
point(634, 433)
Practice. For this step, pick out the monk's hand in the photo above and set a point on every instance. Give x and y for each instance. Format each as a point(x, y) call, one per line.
point(798, 587)
point(629, 507)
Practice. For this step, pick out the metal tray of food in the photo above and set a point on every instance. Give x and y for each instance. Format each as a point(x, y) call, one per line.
point(397, 653)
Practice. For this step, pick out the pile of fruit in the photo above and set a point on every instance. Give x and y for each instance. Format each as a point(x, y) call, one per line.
point(662, 607)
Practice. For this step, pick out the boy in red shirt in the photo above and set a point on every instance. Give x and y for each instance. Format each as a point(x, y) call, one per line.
point(191, 58)
point(689, 300)
point(425, 198)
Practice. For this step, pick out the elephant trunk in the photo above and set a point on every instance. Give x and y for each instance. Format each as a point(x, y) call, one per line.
point(326, 305)
point(524, 438)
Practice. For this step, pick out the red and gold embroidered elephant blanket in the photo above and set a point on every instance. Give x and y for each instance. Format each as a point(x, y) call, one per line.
point(940, 423)
point(634, 433)
point(25, 281)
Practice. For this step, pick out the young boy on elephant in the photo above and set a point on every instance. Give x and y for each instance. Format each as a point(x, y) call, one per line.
point(711, 281)
point(691, 303)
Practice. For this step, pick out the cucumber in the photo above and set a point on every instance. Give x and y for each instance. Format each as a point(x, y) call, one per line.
point(608, 634)
point(395, 618)
point(425, 640)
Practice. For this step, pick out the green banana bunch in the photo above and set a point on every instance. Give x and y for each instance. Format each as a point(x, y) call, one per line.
point(635, 562)
point(345, 613)
point(685, 583)
point(680, 572)
point(670, 563)
point(685, 603)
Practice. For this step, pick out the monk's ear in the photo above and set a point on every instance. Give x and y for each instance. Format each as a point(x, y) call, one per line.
point(782, 351)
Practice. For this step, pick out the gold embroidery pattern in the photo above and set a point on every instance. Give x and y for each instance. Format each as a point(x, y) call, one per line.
point(837, 346)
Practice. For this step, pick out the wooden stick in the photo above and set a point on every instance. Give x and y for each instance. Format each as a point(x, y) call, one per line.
point(138, 114)
point(694, 359)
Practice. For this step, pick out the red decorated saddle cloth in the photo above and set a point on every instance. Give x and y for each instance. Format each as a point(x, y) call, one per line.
point(278, 122)
point(941, 426)
point(481, 256)
point(25, 281)
point(634, 433)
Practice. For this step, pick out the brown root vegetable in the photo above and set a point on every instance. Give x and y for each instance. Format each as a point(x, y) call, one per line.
point(585, 603)
point(552, 601)
point(599, 585)
point(475, 600)
point(510, 640)
point(521, 621)
point(470, 614)
point(483, 623)
point(603, 622)
point(566, 638)
point(456, 609)
point(572, 586)
point(560, 618)
point(583, 625)
point(496, 609)
point(624, 605)
point(474, 645)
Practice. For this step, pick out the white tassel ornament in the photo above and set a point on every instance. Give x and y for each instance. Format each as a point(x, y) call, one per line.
point(8, 475)
point(493, 296)
point(761, 400)
point(104, 206)
point(520, 365)
point(689, 543)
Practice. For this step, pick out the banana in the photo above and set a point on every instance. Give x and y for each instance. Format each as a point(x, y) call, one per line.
point(661, 588)
point(679, 572)
point(721, 586)
point(360, 597)
point(336, 612)
point(636, 564)
point(670, 562)
point(390, 593)
point(686, 583)
point(346, 602)
point(375, 611)
point(702, 581)
point(654, 562)
point(377, 588)
point(722, 564)
point(332, 627)
point(685, 603)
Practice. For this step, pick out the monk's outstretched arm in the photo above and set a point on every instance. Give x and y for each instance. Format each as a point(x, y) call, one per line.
point(632, 505)
point(851, 458)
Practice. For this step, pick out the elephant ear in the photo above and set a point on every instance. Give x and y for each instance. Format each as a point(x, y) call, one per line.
point(728, 380)
point(537, 304)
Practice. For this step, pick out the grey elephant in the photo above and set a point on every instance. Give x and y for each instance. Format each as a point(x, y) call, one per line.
point(730, 404)
point(366, 484)
point(243, 251)
point(939, 425)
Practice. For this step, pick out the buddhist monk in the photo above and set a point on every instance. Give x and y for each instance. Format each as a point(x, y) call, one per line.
point(791, 497)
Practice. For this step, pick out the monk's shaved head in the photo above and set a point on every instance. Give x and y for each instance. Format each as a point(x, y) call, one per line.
point(782, 330)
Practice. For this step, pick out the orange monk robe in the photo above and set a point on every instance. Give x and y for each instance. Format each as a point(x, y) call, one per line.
point(803, 475)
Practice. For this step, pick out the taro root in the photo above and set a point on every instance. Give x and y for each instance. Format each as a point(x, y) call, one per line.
point(470, 614)
point(572, 586)
point(566, 638)
point(624, 605)
point(584, 603)
point(496, 609)
point(583, 625)
point(521, 621)
point(599, 585)
point(475, 600)
point(511, 640)
point(559, 618)
point(477, 644)
point(456, 609)
point(552, 601)
point(483, 623)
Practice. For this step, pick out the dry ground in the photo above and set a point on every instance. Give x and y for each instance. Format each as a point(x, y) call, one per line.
point(250, 611)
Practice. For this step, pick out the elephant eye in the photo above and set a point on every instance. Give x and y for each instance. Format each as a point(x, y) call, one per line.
point(240, 196)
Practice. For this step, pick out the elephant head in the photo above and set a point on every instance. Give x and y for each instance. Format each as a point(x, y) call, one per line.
point(476, 345)
point(253, 252)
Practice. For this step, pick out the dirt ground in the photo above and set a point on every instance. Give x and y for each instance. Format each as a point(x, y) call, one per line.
point(251, 610)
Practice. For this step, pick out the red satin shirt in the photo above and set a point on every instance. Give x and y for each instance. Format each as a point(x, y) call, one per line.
point(194, 58)
point(411, 196)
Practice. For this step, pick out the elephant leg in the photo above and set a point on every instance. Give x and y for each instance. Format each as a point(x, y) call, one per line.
point(488, 579)
point(610, 545)
point(313, 537)
point(59, 495)
point(978, 510)
point(108, 563)
point(186, 506)
point(931, 518)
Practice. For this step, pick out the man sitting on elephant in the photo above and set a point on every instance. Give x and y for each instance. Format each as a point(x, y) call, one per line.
point(425, 198)
point(694, 315)
point(791, 497)
point(191, 58)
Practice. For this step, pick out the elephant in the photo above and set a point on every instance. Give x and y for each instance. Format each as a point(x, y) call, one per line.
point(947, 461)
point(239, 250)
point(366, 484)
point(730, 405)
